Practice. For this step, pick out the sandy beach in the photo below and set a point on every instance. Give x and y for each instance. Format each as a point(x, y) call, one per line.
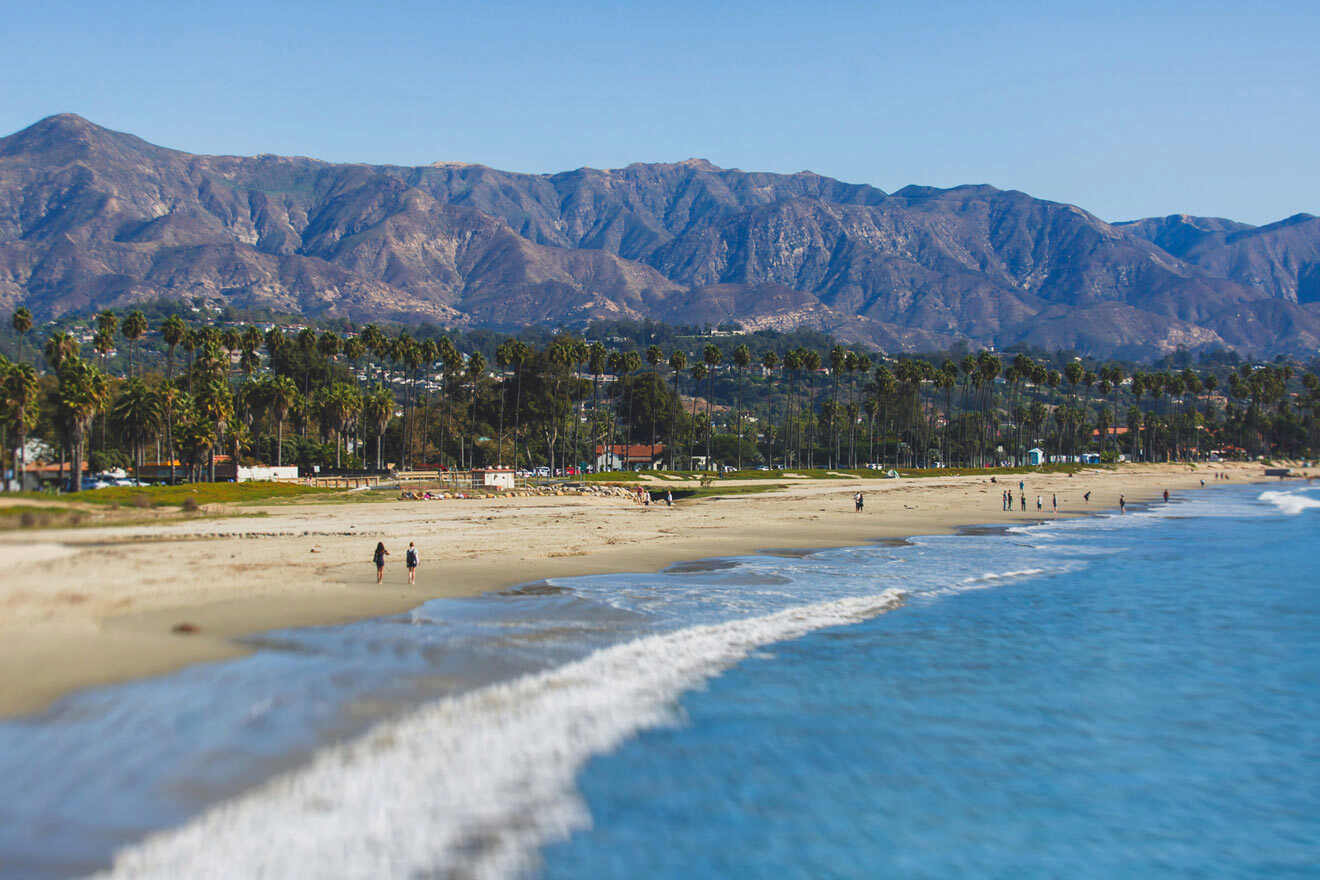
point(92, 606)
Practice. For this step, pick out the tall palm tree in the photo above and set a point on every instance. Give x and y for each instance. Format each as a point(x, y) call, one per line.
point(137, 414)
point(677, 363)
point(699, 371)
point(742, 359)
point(792, 440)
point(83, 391)
point(278, 395)
point(838, 363)
point(59, 348)
point(503, 359)
point(21, 321)
point(328, 346)
point(134, 328)
point(770, 362)
point(597, 363)
point(476, 370)
point(451, 365)
point(655, 356)
point(811, 363)
point(341, 404)
point(172, 330)
point(712, 357)
point(20, 408)
point(377, 410)
point(214, 403)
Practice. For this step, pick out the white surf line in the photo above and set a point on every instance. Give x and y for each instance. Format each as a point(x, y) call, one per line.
point(478, 782)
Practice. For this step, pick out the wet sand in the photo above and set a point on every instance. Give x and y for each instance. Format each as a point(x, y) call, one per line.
point(92, 606)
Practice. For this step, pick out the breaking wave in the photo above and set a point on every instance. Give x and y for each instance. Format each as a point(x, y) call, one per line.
point(1291, 503)
point(476, 783)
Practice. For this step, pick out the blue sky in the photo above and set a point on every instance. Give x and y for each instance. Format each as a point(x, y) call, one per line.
point(1126, 109)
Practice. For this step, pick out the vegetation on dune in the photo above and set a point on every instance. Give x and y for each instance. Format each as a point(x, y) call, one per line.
point(200, 494)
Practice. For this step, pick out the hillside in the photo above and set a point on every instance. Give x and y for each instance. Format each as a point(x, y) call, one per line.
point(91, 218)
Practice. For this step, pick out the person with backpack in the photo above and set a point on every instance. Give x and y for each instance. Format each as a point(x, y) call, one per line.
point(410, 559)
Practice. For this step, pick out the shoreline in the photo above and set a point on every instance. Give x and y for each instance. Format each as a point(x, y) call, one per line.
point(98, 606)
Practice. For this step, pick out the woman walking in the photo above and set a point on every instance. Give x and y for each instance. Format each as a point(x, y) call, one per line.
point(410, 559)
point(379, 558)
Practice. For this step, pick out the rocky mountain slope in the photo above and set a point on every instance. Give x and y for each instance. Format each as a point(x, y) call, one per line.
point(91, 218)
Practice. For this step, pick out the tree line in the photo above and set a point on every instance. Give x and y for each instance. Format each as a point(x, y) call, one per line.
point(181, 393)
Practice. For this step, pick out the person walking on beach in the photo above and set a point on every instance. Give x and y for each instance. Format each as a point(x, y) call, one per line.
point(1023, 499)
point(1122, 504)
point(1166, 496)
point(1040, 505)
point(1054, 502)
point(858, 501)
point(669, 498)
point(410, 559)
point(379, 558)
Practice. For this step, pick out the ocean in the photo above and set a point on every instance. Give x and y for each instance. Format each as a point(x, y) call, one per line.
point(1108, 696)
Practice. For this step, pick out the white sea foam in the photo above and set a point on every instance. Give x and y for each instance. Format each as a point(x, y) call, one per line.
point(992, 576)
point(1291, 503)
point(472, 785)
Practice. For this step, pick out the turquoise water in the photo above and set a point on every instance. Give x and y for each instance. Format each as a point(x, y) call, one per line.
point(1114, 696)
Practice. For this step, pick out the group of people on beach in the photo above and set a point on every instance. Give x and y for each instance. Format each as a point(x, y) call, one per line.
point(410, 559)
point(1006, 499)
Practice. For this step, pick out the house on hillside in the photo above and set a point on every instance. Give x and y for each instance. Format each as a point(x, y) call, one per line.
point(629, 456)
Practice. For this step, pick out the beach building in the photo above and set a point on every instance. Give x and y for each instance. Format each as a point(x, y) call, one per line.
point(629, 456)
point(1035, 456)
point(493, 478)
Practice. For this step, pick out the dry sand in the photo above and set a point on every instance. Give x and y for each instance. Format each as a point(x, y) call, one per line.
point(91, 606)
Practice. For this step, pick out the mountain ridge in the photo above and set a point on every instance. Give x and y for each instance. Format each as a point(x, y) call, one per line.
point(91, 218)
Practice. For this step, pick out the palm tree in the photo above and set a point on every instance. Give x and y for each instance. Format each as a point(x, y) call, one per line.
point(135, 327)
point(214, 406)
point(172, 331)
point(328, 346)
point(677, 363)
point(137, 415)
point(103, 342)
point(341, 404)
point(712, 357)
point(82, 391)
point(279, 394)
point(699, 371)
point(838, 362)
point(503, 359)
point(476, 370)
point(20, 396)
point(21, 321)
point(59, 348)
point(655, 356)
point(792, 367)
point(597, 363)
point(770, 362)
point(377, 410)
point(742, 359)
point(451, 365)
point(811, 363)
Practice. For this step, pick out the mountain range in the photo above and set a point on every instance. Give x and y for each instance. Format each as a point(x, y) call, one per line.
point(92, 218)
